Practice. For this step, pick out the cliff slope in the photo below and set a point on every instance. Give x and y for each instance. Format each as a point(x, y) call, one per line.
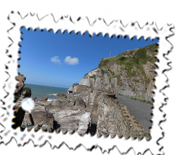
point(129, 74)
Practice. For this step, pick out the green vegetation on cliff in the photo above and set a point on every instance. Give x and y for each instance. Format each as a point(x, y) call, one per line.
point(131, 58)
point(27, 90)
point(130, 73)
point(134, 71)
point(93, 77)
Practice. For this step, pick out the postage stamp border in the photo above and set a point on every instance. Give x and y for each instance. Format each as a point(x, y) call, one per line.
point(82, 24)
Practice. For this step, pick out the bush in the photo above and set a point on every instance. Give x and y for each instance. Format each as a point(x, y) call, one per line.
point(17, 95)
point(28, 91)
point(103, 63)
point(75, 84)
point(93, 77)
point(122, 59)
point(102, 71)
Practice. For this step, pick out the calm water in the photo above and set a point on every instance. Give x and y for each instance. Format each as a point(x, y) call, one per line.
point(41, 91)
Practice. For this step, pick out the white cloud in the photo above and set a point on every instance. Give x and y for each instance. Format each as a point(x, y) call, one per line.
point(55, 59)
point(71, 61)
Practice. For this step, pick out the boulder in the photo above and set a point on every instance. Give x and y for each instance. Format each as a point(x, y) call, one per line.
point(21, 79)
point(41, 119)
point(85, 110)
point(44, 98)
point(72, 120)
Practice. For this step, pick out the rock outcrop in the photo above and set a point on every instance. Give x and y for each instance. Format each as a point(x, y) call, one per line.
point(115, 119)
point(21, 92)
point(84, 110)
point(21, 79)
point(129, 74)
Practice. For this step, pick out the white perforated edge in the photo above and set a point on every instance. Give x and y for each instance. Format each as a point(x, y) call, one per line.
point(84, 24)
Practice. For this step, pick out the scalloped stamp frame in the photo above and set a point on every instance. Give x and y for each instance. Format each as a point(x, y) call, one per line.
point(81, 25)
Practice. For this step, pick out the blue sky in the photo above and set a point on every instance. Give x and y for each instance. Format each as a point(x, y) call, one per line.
point(60, 60)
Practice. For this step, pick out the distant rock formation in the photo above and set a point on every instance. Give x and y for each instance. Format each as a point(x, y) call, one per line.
point(21, 79)
point(21, 92)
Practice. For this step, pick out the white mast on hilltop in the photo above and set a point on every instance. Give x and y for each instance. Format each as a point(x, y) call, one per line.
point(110, 53)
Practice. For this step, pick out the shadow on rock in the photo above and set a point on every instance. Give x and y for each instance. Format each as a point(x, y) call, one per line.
point(56, 125)
point(92, 129)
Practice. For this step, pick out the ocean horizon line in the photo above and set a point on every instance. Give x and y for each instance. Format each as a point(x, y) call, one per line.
point(47, 85)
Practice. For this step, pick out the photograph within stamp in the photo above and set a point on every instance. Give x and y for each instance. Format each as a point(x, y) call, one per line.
point(89, 84)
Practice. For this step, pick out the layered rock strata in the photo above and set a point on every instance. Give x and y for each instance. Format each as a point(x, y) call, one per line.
point(129, 74)
point(84, 110)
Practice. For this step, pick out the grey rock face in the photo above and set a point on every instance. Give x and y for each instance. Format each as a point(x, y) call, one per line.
point(81, 110)
point(117, 81)
point(115, 119)
point(21, 79)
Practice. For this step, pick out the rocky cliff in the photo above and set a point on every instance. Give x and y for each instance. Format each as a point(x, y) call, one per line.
point(91, 106)
point(129, 74)
point(84, 110)
point(21, 79)
point(21, 92)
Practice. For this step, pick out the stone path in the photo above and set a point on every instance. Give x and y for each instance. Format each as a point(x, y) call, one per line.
point(141, 111)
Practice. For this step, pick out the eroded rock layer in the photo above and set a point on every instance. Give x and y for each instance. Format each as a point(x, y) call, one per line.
point(84, 110)
point(130, 74)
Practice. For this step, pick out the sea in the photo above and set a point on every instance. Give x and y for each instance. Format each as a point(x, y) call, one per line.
point(40, 91)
